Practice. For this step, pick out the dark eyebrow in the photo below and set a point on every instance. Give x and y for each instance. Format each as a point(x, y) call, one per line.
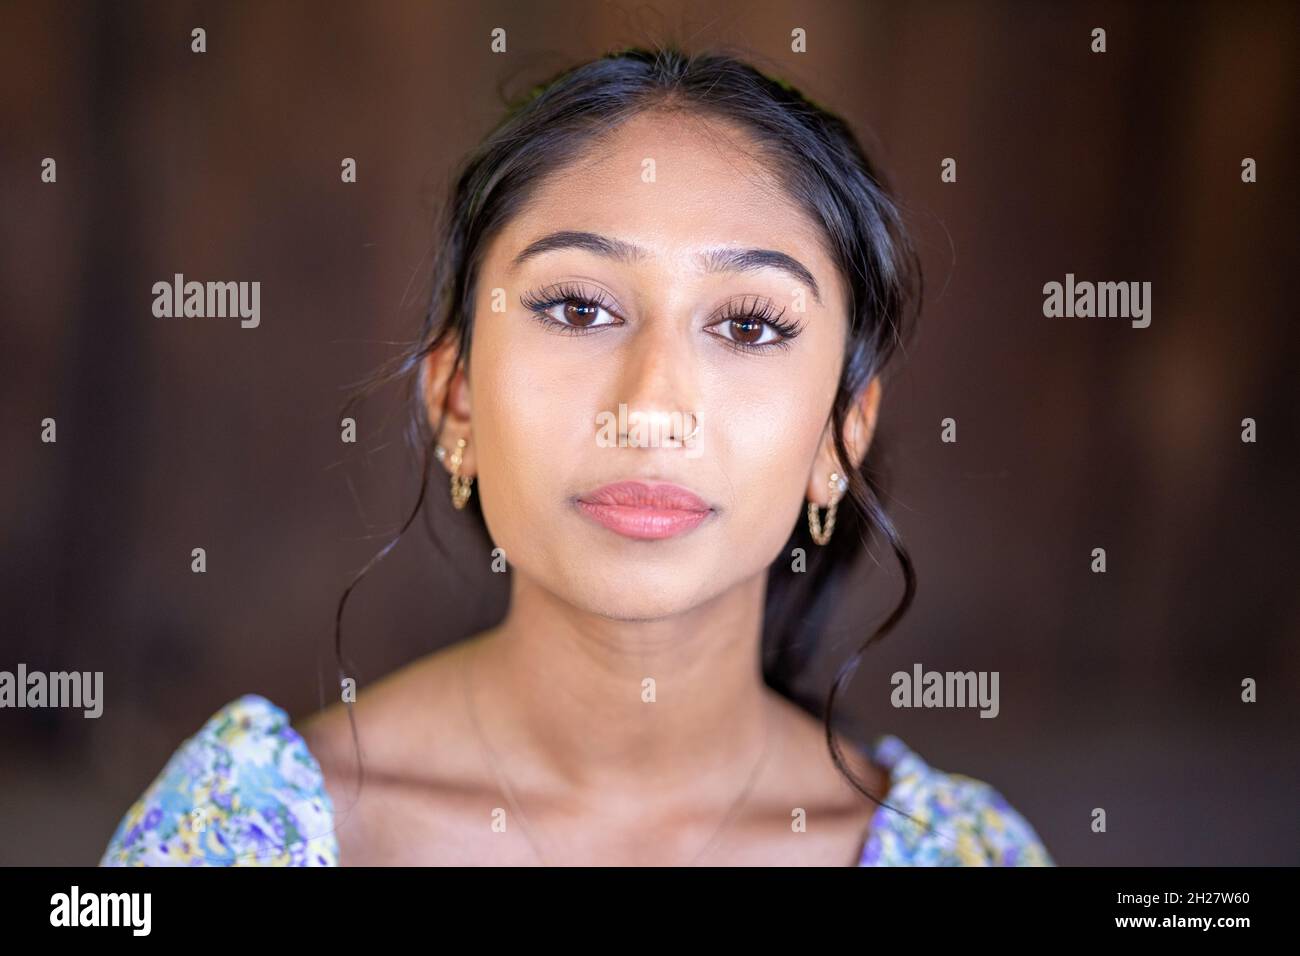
point(714, 260)
point(748, 260)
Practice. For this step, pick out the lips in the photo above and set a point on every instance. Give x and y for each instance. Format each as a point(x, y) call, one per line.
point(643, 510)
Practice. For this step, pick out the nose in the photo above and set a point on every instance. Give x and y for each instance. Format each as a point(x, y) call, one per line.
point(657, 383)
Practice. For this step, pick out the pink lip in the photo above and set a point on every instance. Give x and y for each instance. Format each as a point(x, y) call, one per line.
point(636, 509)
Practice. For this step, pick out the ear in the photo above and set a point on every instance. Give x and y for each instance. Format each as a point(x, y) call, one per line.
point(859, 429)
point(443, 379)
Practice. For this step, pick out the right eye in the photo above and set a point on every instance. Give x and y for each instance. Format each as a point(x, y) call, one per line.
point(576, 315)
point(569, 311)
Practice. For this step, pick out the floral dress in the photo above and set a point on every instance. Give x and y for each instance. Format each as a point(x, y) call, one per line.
point(246, 791)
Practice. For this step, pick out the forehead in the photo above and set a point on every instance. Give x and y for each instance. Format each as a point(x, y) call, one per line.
point(674, 182)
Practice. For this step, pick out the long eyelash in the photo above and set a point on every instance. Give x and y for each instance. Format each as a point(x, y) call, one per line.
point(539, 301)
point(761, 311)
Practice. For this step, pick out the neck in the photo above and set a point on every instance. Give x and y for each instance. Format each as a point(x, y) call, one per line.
point(592, 704)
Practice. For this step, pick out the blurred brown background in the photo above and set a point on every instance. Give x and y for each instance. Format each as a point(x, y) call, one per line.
point(1118, 690)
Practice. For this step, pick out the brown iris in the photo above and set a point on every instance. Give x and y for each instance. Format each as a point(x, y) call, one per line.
point(748, 331)
point(580, 314)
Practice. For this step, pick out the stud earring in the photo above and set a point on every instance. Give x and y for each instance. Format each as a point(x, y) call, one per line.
point(822, 533)
point(461, 486)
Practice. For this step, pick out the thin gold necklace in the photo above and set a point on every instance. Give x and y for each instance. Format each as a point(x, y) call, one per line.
point(466, 673)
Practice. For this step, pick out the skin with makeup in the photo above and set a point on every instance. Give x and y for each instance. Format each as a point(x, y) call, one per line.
point(704, 291)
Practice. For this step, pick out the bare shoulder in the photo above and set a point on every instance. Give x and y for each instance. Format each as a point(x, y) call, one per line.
point(808, 758)
point(396, 785)
point(838, 815)
point(417, 708)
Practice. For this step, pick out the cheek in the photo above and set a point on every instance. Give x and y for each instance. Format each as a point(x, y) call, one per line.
point(533, 428)
point(768, 447)
point(772, 418)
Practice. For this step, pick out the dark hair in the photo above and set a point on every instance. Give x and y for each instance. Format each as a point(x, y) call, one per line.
point(824, 170)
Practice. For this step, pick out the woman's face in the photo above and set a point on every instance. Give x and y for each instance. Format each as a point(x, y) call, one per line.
point(668, 342)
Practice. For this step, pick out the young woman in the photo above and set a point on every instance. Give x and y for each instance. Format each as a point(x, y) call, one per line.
point(665, 294)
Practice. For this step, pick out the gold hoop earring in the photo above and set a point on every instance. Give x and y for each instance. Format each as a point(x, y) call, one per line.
point(461, 486)
point(821, 534)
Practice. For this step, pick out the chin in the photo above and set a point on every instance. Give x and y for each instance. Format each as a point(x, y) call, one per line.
point(633, 591)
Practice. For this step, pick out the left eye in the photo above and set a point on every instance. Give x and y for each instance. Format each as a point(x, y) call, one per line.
point(747, 330)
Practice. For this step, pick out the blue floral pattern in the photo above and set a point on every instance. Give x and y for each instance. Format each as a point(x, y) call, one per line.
point(243, 791)
point(956, 820)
